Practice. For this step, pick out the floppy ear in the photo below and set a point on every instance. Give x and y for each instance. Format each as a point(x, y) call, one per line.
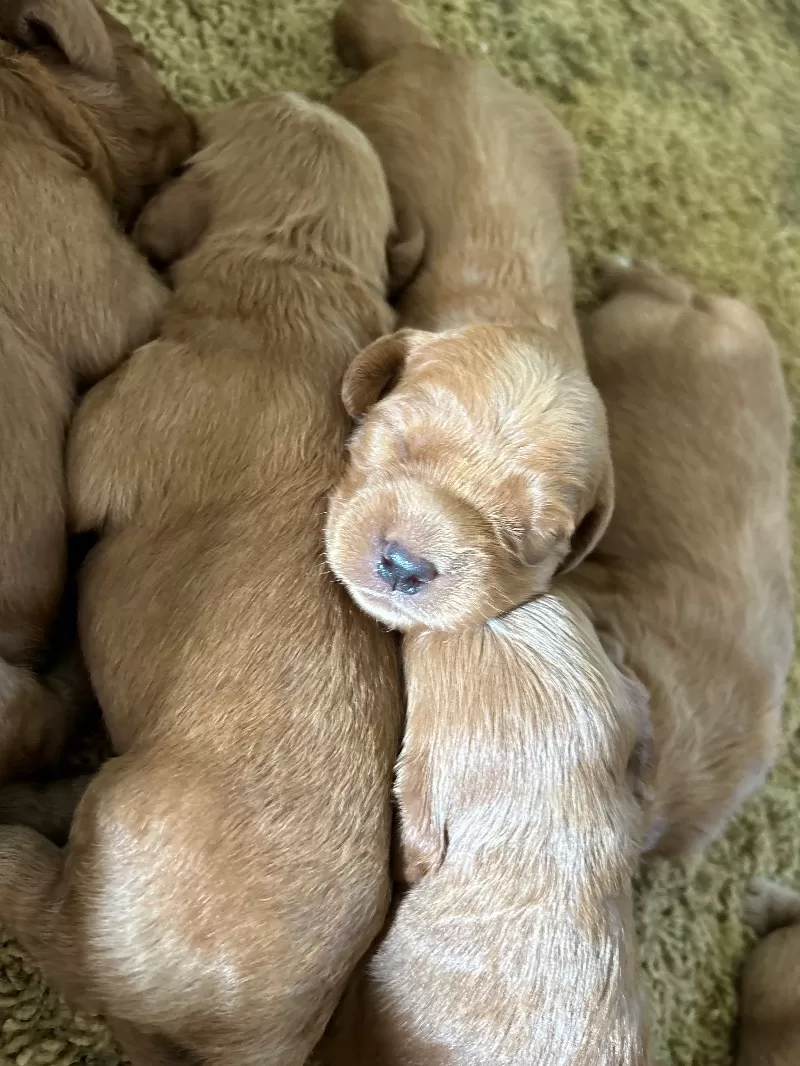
point(174, 220)
point(588, 534)
point(74, 27)
point(405, 250)
point(375, 368)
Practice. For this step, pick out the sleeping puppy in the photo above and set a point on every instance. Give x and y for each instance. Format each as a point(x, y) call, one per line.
point(87, 131)
point(518, 836)
point(225, 874)
point(691, 585)
point(477, 471)
point(769, 1033)
point(529, 746)
point(480, 466)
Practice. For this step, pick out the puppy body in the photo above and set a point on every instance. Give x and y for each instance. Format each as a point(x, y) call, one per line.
point(483, 452)
point(463, 148)
point(225, 873)
point(85, 128)
point(690, 593)
point(769, 1033)
point(692, 582)
point(518, 829)
point(487, 444)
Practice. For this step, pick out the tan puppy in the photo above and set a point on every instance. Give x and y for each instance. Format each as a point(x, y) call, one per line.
point(514, 943)
point(226, 873)
point(769, 1032)
point(86, 130)
point(516, 823)
point(481, 466)
point(487, 463)
point(691, 584)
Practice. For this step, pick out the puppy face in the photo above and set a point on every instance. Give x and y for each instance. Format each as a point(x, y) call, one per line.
point(156, 135)
point(480, 467)
point(144, 134)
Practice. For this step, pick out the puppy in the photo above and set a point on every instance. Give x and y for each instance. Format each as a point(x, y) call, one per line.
point(480, 466)
point(518, 837)
point(224, 875)
point(87, 130)
point(517, 811)
point(769, 1032)
point(691, 583)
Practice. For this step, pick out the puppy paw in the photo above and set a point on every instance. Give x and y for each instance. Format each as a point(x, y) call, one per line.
point(46, 807)
point(619, 273)
point(612, 270)
point(769, 906)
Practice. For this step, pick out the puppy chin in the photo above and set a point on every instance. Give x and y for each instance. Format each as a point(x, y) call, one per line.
point(429, 610)
point(383, 607)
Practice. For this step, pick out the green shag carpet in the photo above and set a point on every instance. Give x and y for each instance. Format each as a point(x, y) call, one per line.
point(686, 113)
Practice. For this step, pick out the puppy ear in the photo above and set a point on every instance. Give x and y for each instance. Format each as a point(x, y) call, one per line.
point(595, 522)
point(405, 250)
point(74, 27)
point(375, 369)
point(174, 220)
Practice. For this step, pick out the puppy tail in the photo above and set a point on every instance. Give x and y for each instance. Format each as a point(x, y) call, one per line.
point(366, 32)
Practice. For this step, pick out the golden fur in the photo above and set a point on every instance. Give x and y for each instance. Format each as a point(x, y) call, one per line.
point(480, 466)
point(226, 872)
point(769, 1033)
point(530, 768)
point(513, 804)
point(518, 834)
point(691, 583)
point(520, 772)
point(86, 130)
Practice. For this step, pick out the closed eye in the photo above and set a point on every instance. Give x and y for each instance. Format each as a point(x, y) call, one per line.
point(530, 546)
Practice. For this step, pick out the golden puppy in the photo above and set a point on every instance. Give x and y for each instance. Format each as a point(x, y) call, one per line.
point(525, 748)
point(691, 584)
point(87, 130)
point(518, 837)
point(480, 466)
point(225, 874)
point(769, 1033)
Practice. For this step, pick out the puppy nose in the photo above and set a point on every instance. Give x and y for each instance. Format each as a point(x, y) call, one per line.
point(402, 571)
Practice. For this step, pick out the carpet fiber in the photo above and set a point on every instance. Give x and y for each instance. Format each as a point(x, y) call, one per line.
point(686, 116)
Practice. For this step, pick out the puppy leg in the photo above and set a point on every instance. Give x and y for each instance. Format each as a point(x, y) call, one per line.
point(46, 806)
point(31, 903)
point(144, 1049)
point(366, 32)
point(769, 906)
point(769, 1033)
point(132, 306)
point(35, 723)
point(618, 274)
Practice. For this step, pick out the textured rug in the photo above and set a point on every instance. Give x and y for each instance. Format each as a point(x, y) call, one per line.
point(686, 115)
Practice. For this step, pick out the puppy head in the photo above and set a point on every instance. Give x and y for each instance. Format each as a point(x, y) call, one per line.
point(480, 467)
point(282, 171)
point(144, 135)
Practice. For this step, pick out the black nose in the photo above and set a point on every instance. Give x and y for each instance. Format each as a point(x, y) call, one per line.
point(403, 571)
